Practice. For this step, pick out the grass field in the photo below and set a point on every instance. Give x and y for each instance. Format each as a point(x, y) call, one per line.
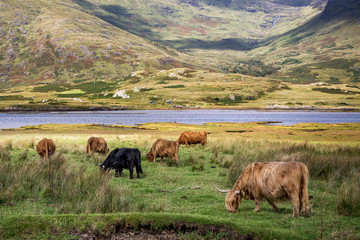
point(182, 88)
point(67, 197)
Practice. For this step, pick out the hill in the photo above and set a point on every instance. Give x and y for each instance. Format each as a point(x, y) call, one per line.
point(206, 24)
point(250, 37)
point(60, 42)
point(68, 55)
point(325, 49)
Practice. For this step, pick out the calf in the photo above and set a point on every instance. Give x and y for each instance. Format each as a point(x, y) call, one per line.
point(121, 158)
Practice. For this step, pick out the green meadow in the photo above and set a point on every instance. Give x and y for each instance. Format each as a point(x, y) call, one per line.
point(67, 196)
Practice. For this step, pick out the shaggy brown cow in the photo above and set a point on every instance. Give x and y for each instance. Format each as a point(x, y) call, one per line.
point(45, 148)
point(163, 148)
point(192, 138)
point(272, 181)
point(97, 144)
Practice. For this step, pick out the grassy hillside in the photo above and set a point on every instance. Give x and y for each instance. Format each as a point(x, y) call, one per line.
point(182, 88)
point(305, 40)
point(59, 42)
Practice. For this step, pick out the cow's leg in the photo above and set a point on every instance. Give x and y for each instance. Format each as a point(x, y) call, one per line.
point(118, 172)
point(257, 205)
point(295, 200)
point(273, 205)
point(162, 159)
point(138, 170)
point(176, 157)
point(305, 201)
point(131, 170)
point(186, 143)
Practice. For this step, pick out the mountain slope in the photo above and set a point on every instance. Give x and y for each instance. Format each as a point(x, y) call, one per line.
point(205, 24)
point(60, 41)
point(325, 49)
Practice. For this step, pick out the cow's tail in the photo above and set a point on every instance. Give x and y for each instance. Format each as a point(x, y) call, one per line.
point(177, 152)
point(303, 193)
point(46, 149)
point(88, 147)
point(205, 139)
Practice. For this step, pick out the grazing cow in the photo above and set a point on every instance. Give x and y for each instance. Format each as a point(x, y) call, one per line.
point(45, 148)
point(163, 148)
point(271, 181)
point(192, 138)
point(121, 158)
point(97, 144)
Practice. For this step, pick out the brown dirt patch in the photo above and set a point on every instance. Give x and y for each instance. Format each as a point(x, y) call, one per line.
point(121, 230)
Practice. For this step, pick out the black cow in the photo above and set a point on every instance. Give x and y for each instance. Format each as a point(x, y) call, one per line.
point(121, 158)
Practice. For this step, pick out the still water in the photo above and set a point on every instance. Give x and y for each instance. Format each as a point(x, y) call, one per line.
point(15, 120)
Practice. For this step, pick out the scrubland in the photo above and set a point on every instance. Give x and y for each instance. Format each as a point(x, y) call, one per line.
point(68, 196)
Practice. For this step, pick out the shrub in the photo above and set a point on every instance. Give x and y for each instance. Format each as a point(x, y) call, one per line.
point(175, 86)
point(13, 97)
point(51, 87)
point(332, 90)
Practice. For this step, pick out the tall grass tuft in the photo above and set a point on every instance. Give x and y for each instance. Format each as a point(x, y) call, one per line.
point(24, 156)
point(348, 197)
point(5, 155)
point(323, 161)
point(195, 160)
point(74, 190)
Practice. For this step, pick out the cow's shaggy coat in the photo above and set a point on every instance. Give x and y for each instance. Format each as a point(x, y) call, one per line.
point(272, 181)
point(97, 144)
point(45, 148)
point(121, 158)
point(163, 148)
point(188, 138)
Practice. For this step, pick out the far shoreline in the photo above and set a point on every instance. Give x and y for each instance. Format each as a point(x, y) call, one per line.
point(106, 109)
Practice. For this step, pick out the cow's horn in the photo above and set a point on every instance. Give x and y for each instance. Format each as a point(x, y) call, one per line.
point(237, 192)
point(99, 164)
point(219, 190)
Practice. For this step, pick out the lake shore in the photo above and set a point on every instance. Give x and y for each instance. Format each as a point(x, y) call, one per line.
point(181, 116)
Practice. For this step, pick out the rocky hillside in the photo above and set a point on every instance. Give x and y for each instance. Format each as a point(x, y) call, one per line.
point(59, 41)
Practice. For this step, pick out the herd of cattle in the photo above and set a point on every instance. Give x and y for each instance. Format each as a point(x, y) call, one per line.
point(270, 181)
